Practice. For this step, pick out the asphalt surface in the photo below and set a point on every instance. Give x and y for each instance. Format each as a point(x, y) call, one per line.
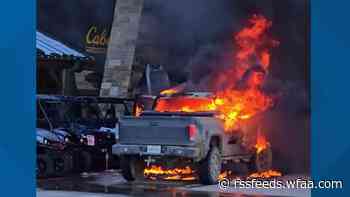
point(111, 183)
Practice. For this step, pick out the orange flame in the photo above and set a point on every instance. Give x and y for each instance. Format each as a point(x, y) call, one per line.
point(266, 174)
point(184, 174)
point(225, 174)
point(241, 97)
point(155, 172)
point(169, 92)
point(237, 93)
point(138, 109)
point(261, 142)
point(250, 39)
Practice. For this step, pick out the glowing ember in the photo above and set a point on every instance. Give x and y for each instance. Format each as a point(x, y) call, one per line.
point(266, 174)
point(238, 94)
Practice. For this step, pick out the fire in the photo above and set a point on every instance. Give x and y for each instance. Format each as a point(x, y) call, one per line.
point(184, 174)
point(261, 142)
point(168, 92)
point(237, 90)
point(183, 104)
point(251, 39)
point(225, 174)
point(265, 174)
point(242, 97)
point(155, 172)
point(178, 177)
point(241, 105)
point(173, 90)
point(138, 110)
point(237, 93)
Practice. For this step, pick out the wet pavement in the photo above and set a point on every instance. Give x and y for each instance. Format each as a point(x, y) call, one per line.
point(112, 184)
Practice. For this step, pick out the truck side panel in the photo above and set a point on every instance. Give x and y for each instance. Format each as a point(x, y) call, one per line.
point(228, 141)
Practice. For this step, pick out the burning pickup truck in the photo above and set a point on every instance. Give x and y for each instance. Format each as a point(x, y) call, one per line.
point(172, 135)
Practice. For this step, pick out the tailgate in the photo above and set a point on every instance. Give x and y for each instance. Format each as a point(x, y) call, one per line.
point(154, 130)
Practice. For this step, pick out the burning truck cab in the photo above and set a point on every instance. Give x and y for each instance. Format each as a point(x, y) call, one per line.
point(189, 131)
point(203, 131)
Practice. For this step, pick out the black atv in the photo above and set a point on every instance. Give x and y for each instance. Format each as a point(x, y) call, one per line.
point(54, 157)
point(86, 126)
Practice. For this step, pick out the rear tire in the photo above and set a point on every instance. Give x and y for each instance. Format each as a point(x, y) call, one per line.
point(44, 166)
point(85, 161)
point(261, 161)
point(210, 167)
point(132, 168)
point(64, 164)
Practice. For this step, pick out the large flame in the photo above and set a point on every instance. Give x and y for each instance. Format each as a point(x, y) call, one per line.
point(237, 94)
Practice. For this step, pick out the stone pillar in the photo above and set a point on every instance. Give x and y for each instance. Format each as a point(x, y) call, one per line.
point(121, 48)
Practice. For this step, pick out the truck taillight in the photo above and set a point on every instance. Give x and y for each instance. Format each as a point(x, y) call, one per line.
point(192, 131)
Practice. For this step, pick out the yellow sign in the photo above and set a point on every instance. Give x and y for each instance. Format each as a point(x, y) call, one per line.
point(96, 40)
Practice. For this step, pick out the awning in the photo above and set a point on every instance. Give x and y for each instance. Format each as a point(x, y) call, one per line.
point(51, 46)
point(51, 52)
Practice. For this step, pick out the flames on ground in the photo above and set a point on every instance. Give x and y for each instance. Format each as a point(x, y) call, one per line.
point(266, 174)
point(184, 174)
point(237, 93)
point(156, 172)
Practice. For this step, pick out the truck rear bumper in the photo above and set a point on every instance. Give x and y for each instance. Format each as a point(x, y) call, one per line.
point(177, 151)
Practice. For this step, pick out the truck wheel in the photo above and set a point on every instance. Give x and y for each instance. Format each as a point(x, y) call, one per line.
point(115, 162)
point(85, 161)
point(210, 167)
point(64, 164)
point(132, 168)
point(261, 161)
point(44, 166)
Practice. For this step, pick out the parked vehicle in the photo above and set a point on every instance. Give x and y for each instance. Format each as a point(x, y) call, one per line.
point(84, 127)
point(197, 139)
point(54, 152)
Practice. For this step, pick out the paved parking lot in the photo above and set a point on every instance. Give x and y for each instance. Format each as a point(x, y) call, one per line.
point(111, 183)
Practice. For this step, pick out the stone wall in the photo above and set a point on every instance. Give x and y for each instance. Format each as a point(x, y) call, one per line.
point(121, 48)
